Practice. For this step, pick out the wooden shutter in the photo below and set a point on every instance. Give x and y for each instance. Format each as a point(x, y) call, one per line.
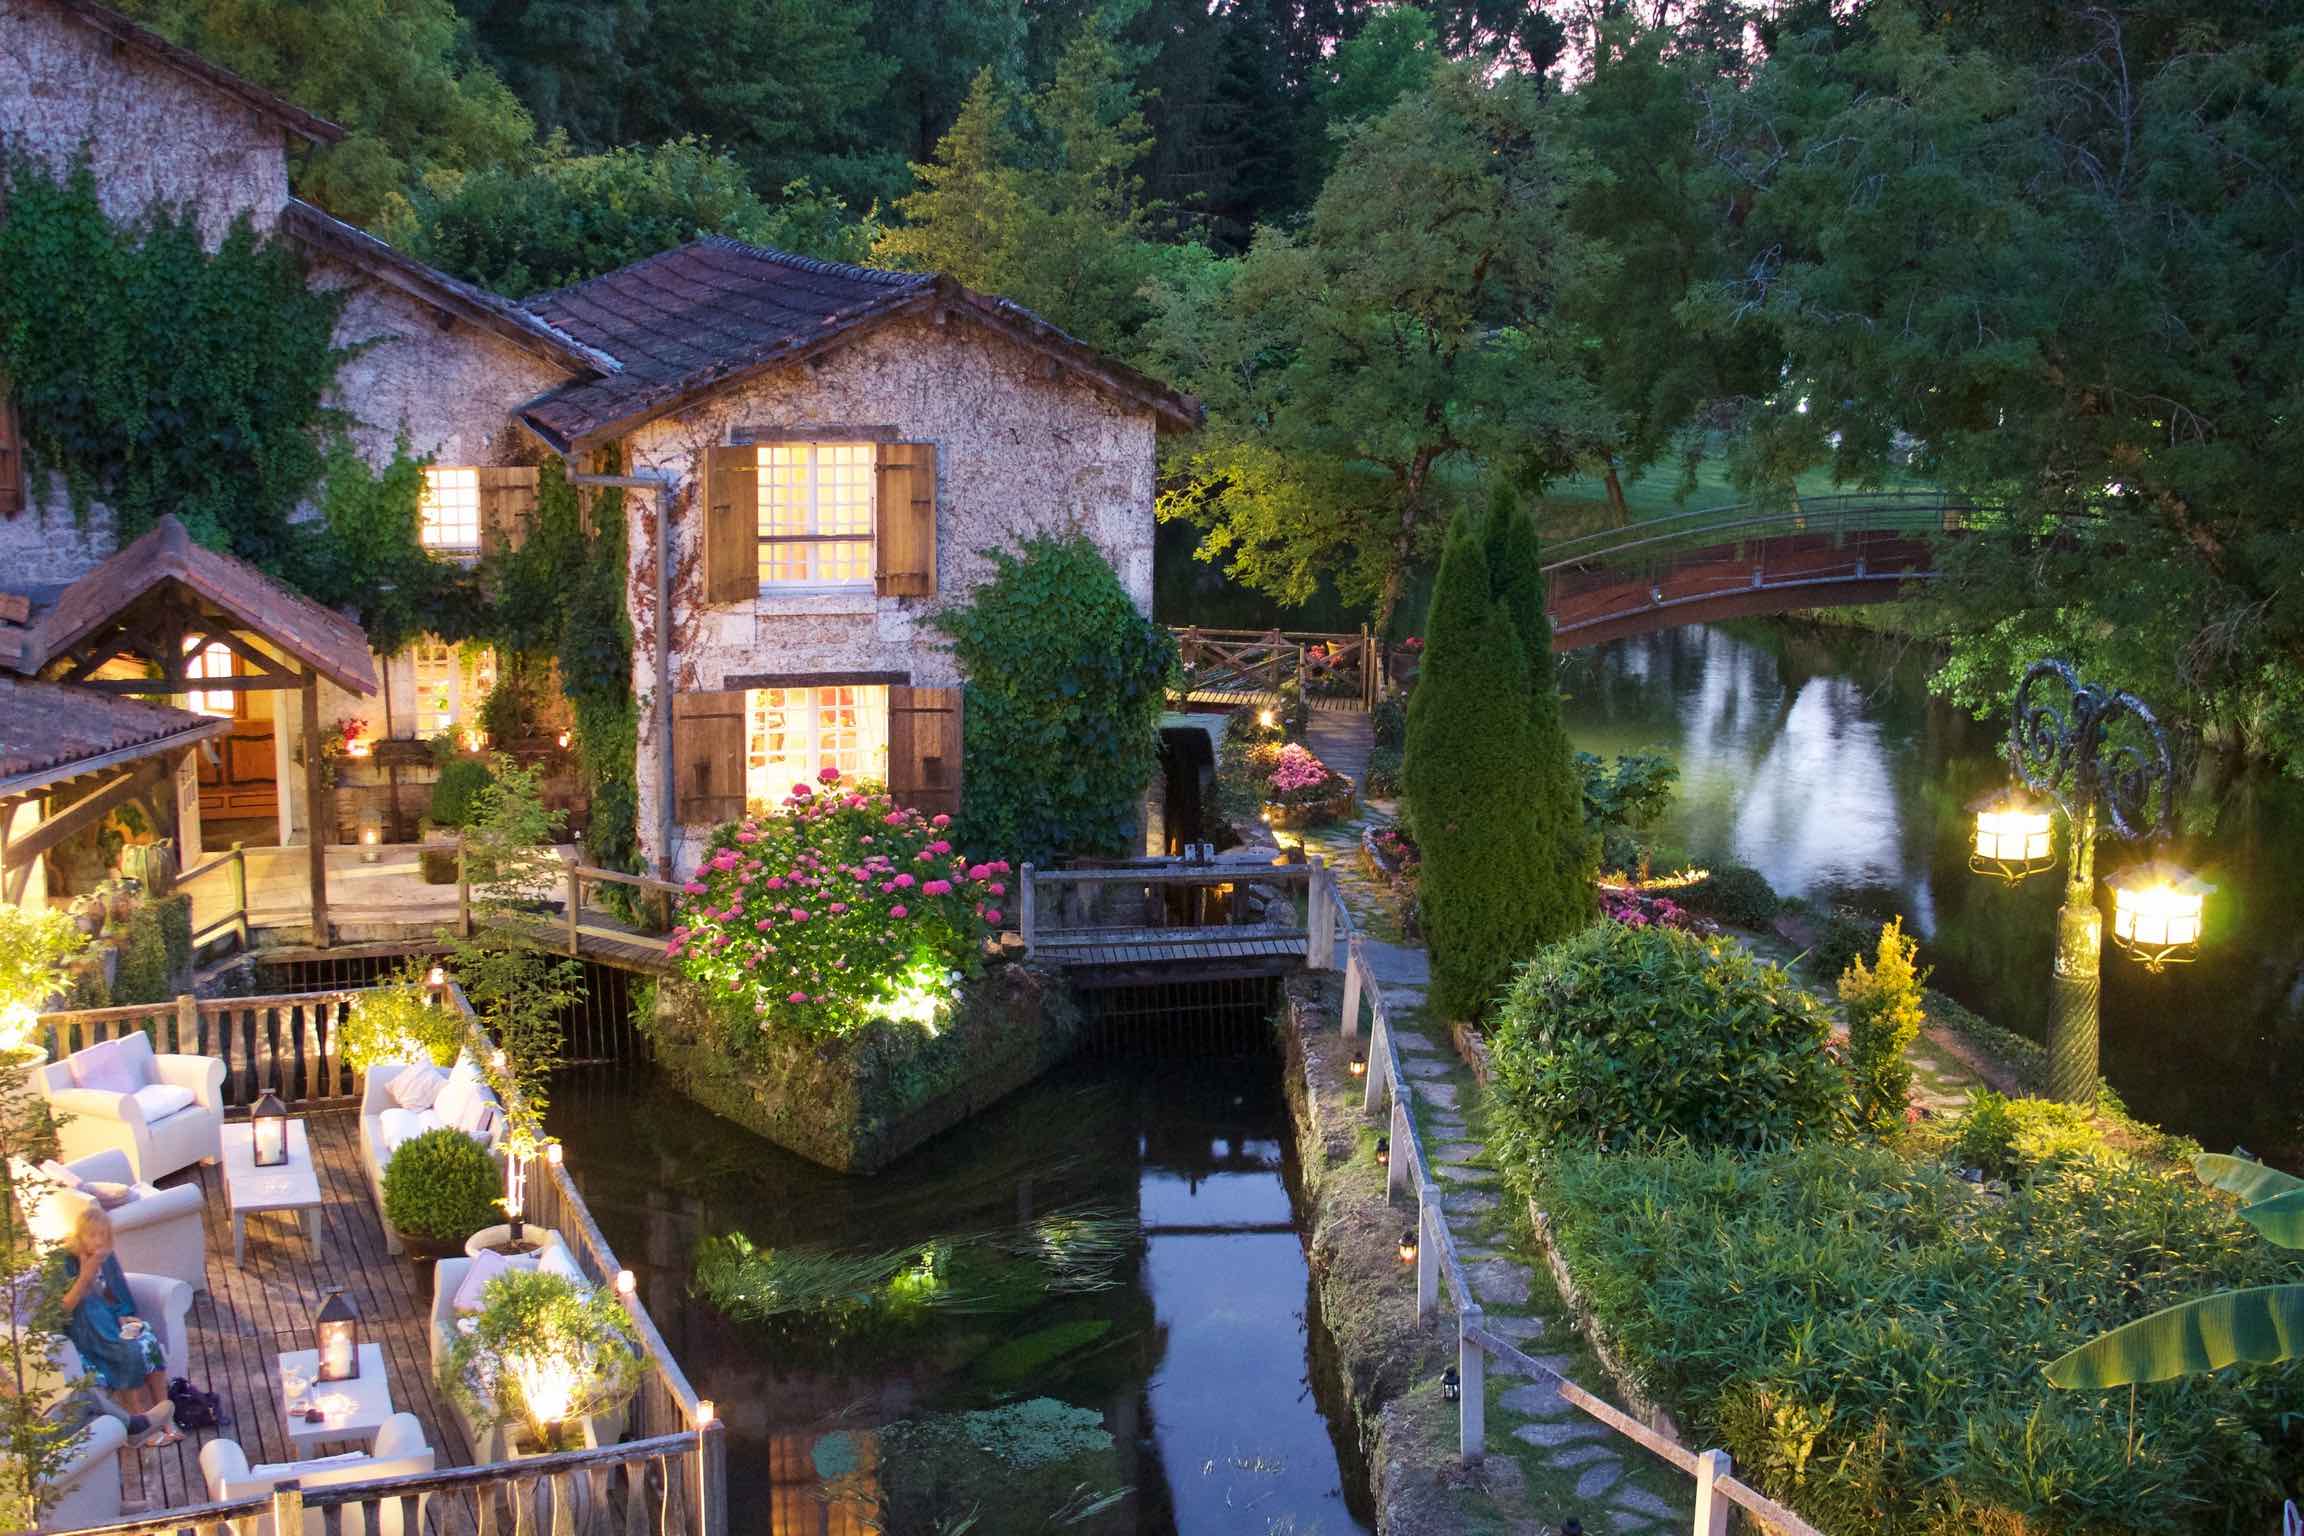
point(13, 496)
point(904, 542)
point(731, 525)
point(507, 507)
point(708, 756)
point(924, 748)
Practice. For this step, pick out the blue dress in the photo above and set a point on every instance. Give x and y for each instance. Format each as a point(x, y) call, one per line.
point(94, 1328)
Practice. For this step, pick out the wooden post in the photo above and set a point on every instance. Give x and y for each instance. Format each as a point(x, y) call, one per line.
point(1711, 1504)
point(575, 899)
point(188, 1025)
point(1377, 1041)
point(1396, 1173)
point(1320, 919)
point(1367, 669)
point(463, 890)
point(1427, 1251)
point(712, 1498)
point(287, 1507)
point(314, 833)
point(1354, 965)
point(240, 891)
point(1027, 907)
point(1472, 1384)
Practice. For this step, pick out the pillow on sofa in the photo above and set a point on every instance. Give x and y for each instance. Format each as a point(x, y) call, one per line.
point(418, 1086)
point(395, 1126)
point(463, 1085)
point(115, 1066)
point(108, 1195)
point(280, 1471)
point(485, 1268)
point(160, 1100)
point(478, 1118)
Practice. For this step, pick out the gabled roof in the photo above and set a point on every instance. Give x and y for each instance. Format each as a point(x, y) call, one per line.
point(316, 130)
point(324, 232)
point(320, 638)
point(689, 321)
point(52, 731)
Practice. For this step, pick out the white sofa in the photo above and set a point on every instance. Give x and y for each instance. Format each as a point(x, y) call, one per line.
point(384, 1125)
point(399, 1451)
point(160, 1232)
point(99, 1120)
point(86, 1489)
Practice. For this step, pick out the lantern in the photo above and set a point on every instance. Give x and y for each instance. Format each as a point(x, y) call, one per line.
point(625, 1284)
point(1359, 1064)
point(1408, 1246)
point(371, 841)
point(268, 1131)
point(336, 1337)
point(1383, 1151)
point(1451, 1385)
point(436, 978)
point(2012, 835)
point(2156, 913)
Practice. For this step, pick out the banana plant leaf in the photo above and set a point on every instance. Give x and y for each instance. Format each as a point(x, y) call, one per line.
point(2280, 1219)
point(2264, 1325)
point(2251, 1181)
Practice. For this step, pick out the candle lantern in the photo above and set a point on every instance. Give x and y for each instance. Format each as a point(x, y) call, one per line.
point(1408, 1246)
point(2012, 835)
point(1359, 1064)
point(268, 1131)
point(1451, 1385)
point(1383, 1151)
point(2156, 913)
point(336, 1336)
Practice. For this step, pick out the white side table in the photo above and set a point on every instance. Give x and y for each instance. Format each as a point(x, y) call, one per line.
point(290, 1186)
point(350, 1410)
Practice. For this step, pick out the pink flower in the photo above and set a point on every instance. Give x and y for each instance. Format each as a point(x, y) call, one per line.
point(978, 871)
point(827, 774)
point(694, 887)
point(997, 889)
point(992, 915)
point(797, 997)
point(801, 792)
point(939, 846)
point(765, 924)
point(775, 882)
point(939, 821)
point(894, 818)
point(898, 912)
point(837, 908)
point(887, 886)
point(799, 914)
point(904, 881)
point(937, 888)
point(747, 836)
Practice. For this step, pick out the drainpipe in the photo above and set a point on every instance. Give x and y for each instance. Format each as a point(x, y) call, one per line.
point(662, 485)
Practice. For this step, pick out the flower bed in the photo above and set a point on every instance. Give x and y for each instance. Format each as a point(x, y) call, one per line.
point(1392, 856)
point(1299, 789)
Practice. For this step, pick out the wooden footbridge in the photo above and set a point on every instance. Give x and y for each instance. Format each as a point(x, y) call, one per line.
point(1145, 918)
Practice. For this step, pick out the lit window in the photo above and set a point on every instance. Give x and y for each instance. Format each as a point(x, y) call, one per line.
point(451, 511)
point(815, 514)
point(796, 731)
point(435, 688)
point(212, 660)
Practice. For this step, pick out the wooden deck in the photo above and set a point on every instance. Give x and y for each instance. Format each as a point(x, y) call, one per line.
point(1142, 946)
point(250, 1313)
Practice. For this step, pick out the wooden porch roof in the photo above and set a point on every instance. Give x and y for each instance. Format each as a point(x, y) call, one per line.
point(318, 638)
point(50, 732)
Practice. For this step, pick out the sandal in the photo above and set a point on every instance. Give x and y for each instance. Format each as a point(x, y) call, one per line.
point(169, 1436)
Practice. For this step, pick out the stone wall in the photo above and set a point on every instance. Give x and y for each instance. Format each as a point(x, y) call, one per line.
point(1018, 453)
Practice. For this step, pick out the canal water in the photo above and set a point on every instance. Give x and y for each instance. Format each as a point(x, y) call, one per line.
point(1816, 755)
point(1101, 1290)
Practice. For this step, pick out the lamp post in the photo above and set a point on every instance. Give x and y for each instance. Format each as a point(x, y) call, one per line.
point(2060, 753)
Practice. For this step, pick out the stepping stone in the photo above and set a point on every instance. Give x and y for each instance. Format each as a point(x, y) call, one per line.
point(1468, 1202)
point(1443, 1094)
point(1539, 1399)
point(1410, 1040)
point(1553, 1434)
point(1638, 1500)
point(1599, 1478)
point(1459, 1151)
point(1580, 1456)
point(1425, 1066)
point(1499, 1283)
point(1515, 1326)
point(1464, 1173)
point(1471, 1255)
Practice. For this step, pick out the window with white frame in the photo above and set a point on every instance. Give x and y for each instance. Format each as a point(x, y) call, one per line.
point(794, 732)
point(450, 686)
point(449, 511)
point(815, 514)
point(202, 662)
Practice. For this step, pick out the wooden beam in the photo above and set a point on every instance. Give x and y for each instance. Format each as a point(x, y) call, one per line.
point(237, 683)
point(315, 832)
point(265, 666)
point(84, 812)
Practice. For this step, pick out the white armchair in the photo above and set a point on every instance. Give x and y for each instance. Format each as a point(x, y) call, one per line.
point(103, 1119)
point(86, 1489)
point(399, 1451)
point(160, 1232)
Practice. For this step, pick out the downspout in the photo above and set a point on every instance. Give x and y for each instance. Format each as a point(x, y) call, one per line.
point(662, 708)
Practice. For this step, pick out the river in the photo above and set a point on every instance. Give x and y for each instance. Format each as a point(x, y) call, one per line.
point(1816, 755)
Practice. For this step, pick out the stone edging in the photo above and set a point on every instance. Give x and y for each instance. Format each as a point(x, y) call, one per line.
point(1636, 1401)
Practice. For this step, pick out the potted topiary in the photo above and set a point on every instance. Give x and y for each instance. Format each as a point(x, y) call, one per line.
point(543, 1361)
point(439, 1188)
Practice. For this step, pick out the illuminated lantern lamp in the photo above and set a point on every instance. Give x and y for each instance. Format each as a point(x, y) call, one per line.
point(437, 977)
point(1408, 1246)
point(371, 836)
point(268, 1131)
point(625, 1284)
point(563, 741)
point(2013, 839)
point(1359, 1064)
point(2156, 913)
point(1383, 1151)
point(336, 1335)
point(1451, 1385)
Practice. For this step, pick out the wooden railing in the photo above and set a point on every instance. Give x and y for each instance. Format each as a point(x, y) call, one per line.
point(230, 870)
point(651, 908)
point(1439, 1264)
point(288, 1042)
point(1166, 910)
point(1259, 660)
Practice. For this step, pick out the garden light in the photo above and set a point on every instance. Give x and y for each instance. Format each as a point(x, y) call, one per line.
point(1408, 1246)
point(625, 1284)
point(548, 1384)
point(336, 1337)
point(437, 978)
point(1451, 1385)
point(1359, 1064)
point(2156, 913)
point(1383, 1151)
point(2012, 836)
point(1267, 719)
point(703, 1412)
point(268, 1131)
point(563, 741)
point(552, 1153)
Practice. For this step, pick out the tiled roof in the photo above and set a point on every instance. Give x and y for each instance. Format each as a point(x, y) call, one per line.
point(47, 729)
point(685, 322)
point(305, 125)
point(321, 638)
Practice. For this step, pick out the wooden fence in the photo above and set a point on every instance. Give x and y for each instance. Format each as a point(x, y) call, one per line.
point(1347, 668)
point(1439, 1264)
point(1166, 911)
point(288, 1042)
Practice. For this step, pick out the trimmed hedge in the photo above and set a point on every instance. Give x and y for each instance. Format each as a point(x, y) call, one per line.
point(1735, 893)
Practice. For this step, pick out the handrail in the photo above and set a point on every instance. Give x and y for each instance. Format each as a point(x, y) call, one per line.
point(1838, 514)
point(1318, 933)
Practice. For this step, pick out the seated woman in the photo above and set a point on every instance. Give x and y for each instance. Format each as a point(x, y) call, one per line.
point(100, 1319)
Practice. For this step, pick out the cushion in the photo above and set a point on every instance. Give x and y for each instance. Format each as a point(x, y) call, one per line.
point(279, 1471)
point(557, 1260)
point(115, 1066)
point(463, 1084)
point(485, 1268)
point(160, 1100)
point(395, 1126)
point(59, 1175)
point(417, 1087)
point(479, 1114)
point(109, 1195)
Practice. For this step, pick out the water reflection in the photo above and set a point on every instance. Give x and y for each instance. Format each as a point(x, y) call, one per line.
point(1817, 757)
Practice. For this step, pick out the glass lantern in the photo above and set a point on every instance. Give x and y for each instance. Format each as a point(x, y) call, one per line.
point(268, 1131)
point(336, 1337)
point(2013, 835)
point(2157, 910)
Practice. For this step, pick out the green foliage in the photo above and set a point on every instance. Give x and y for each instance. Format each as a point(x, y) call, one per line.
point(1388, 721)
point(36, 950)
point(34, 1442)
point(1882, 1001)
point(456, 794)
point(1735, 893)
point(543, 1355)
point(441, 1186)
point(1621, 800)
point(143, 975)
point(1862, 1333)
point(1494, 814)
point(524, 228)
point(1846, 937)
point(115, 395)
point(1381, 779)
point(1624, 1037)
point(398, 1020)
point(1065, 684)
point(2016, 1138)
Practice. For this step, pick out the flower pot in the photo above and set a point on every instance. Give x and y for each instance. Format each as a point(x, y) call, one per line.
point(533, 1239)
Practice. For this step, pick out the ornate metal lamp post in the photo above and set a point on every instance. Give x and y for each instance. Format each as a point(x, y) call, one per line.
point(2060, 748)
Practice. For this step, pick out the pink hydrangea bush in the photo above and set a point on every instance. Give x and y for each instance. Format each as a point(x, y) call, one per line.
point(839, 908)
point(1294, 776)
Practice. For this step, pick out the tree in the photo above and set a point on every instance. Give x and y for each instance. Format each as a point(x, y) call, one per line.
point(1356, 372)
point(1562, 886)
point(1884, 1018)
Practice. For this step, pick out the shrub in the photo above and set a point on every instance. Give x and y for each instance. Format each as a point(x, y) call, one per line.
point(36, 951)
point(1294, 776)
point(155, 935)
point(1865, 1334)
point(1381, 779)
point(1622, 1036)
point(441, 1186)
point(544, 1354)
point(841, 908)
point(1846, 936)
point(437, 866)
point(397, 1021)
point(1735, 893)
point(1065, 684)
point(1389, 720)
point(1884, 1018)
point(456, 797)
point(2008, 1138)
